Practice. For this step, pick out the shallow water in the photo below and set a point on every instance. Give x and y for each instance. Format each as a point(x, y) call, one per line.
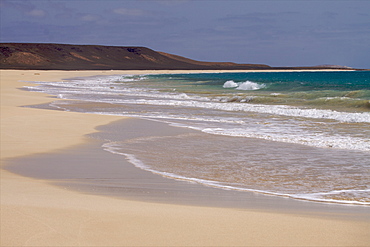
point(276, 133)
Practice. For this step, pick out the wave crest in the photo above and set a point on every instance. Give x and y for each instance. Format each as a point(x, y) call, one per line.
point(247, 85)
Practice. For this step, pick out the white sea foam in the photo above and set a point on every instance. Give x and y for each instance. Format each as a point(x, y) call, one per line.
point(230, 84)
point(359, 194)
point(312, 139)
point(101, 87)
point(281, 110)
point(247, 85)
point(275, 132)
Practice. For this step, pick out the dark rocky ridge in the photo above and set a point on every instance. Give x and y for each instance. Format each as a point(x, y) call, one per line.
point(95, 57)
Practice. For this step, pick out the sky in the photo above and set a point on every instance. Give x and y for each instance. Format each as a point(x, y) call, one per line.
point(276, 33)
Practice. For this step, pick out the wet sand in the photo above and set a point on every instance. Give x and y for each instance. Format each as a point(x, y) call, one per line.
point(36, 212)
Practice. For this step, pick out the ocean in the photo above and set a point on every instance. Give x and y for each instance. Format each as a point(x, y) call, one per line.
point(303, 135)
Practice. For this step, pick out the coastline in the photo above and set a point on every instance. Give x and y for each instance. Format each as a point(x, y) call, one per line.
point(34, 212)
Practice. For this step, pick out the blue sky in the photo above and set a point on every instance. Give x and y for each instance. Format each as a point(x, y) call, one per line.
point(277, 33)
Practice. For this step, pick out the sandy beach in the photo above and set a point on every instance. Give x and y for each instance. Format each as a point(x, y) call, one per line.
point(34, 212)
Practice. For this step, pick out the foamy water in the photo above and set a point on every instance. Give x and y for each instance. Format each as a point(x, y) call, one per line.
point(247, 85)
point(248, 140)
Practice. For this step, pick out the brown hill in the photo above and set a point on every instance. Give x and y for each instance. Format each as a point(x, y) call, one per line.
point(216, 65)
point(95, 57)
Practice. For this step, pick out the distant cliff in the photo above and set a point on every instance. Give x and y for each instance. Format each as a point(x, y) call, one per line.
point(95, 57)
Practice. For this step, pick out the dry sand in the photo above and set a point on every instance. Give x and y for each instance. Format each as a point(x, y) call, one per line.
point(35, 213)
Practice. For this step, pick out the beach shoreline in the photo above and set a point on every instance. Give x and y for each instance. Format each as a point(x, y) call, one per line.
point(34, 212)
point(119, 178)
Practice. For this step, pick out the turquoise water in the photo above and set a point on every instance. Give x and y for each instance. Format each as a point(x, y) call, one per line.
point(286, 81)
point(331, 90)
point(304, 135)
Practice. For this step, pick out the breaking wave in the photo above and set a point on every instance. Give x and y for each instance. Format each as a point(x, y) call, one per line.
point(247, 85)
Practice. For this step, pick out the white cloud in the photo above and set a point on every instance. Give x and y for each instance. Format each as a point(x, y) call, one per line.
point(129, 12)
point(89, 17)
point(37, 13)
point(172, 2)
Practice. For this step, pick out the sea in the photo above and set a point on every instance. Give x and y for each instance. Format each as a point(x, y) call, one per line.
point(302, 135)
